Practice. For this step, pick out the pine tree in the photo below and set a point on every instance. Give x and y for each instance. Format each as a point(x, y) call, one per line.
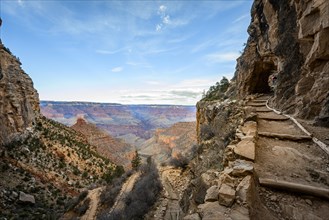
point(136, 161)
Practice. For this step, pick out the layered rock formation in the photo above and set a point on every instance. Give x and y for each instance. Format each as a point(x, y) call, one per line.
point(289, 40)
point(116, 150)
point(19, 101)
point(176, 142)
point(132, 123)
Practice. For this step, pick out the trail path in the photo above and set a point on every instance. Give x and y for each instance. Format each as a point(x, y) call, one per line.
point(126, 188)
point(289, 160)
point(94, 200)
point(173, 183)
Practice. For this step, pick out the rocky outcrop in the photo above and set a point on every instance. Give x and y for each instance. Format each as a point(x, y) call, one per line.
point(288, 40)
point(42, 163)
point(173, 143)
point(19, 101)
point(116, 150)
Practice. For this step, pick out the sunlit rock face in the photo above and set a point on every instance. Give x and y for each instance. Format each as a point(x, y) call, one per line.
point(290, 40)
point(19, 101)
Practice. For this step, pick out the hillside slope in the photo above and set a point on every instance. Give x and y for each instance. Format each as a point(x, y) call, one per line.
point(42, 163)
point(116, 150)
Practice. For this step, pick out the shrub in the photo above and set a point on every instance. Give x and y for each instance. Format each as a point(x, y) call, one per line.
point(144, 194)
point(217, 91)
point(80, 210)
point(85, 174)
point(179, 161)
point(206, 132)
point(72, 203)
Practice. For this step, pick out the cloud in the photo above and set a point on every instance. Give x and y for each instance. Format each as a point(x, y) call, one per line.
point(241, 18)
point(222, 57)
point(180, 97)
point(186, 93)
point(113, 51)
point(117, 69)
point(165, 18)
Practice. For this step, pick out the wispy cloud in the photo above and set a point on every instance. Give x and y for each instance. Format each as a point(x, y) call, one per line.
point(112, 51)
point(242, 17)
point(117, 69)
point(222, 57)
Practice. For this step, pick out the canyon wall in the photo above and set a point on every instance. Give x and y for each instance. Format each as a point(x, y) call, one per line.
point(288, 39)
point(19, 101)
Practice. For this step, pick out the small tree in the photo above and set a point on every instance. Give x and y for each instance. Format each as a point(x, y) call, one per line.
point(217, 91)
point(136, 161)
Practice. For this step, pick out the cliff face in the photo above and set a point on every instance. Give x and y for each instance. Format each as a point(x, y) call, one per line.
point(19, 101)
point(173, 142)
point(117, 151)
point(289, 40)
point(42, 163)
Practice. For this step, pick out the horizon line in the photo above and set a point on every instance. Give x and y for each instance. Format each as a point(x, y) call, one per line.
point(113, 103)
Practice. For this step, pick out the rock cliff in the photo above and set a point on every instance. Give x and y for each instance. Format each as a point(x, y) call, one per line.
point(116, 150)
point(43, 164)
point(288, 40)
point(286, 57)
point(19, 101)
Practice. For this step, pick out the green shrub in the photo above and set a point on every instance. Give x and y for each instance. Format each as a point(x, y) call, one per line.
point(217, 91)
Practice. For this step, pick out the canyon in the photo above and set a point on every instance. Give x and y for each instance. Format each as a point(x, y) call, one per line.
point(262, 147)
point(132, 123)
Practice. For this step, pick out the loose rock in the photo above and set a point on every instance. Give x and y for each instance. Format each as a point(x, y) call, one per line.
point(26, 198)
point(226, 195)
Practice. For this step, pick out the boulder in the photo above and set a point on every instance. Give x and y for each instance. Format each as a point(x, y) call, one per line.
point(26, 198)
point(251, 117)
point(226, 179)
point(245, 148)
point(212, 194)
point(226, 195)
point(242, 167)
point(211, 211)
point(194, 216)
point(249, 128)
point(243, 189)
point(239, 213)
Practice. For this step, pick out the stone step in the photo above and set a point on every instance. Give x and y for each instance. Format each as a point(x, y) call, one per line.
point(260, 100)
point(263, 110)
point(273, 118)
point(252, 104)
point(285, 136)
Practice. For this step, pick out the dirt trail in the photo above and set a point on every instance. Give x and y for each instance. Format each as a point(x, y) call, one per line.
point(173, 183)
point(126, 188)
point(94, 200)
point(290, 161)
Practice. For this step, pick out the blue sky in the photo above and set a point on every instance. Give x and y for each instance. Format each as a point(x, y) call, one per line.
point(130, 52)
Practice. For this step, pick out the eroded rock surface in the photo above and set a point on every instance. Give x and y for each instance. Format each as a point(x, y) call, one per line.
point(19, 101)
point(289, 39)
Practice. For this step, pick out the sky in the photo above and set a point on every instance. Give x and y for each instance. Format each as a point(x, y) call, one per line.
point(129, 52)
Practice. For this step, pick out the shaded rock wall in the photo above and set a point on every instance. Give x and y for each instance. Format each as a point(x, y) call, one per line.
point(19, 101)
point(289, 38)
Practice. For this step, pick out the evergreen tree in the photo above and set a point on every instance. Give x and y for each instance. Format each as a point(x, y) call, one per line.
point(136, 161)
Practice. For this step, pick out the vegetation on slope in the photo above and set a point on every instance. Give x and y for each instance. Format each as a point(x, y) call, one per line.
point(217, 91)
point(52, 163)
